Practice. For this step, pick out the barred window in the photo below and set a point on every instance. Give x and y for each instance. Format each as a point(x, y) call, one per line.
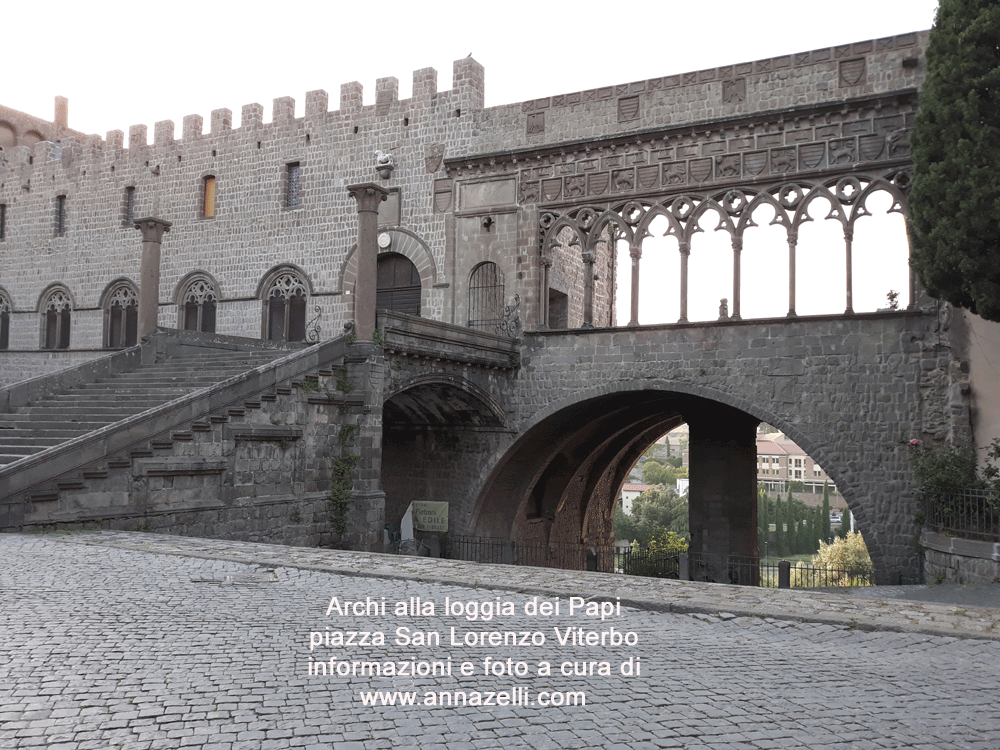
point(60, 214)
point(128, 218)
point(486, 295)
point(293, 177)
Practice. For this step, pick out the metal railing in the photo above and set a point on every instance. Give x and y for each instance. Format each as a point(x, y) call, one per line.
point(567, 556)
point(731, 569)
point(972, 514)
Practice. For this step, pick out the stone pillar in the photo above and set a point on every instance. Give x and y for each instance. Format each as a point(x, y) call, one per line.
point(369, 196)
point(543, 297)
point(588, 289)
point(722, 496)
point(848, 244)
point(635, 251)
point(685, 248)
point(364, 363)
point(793, 239)
point(737, 252)
point(149, 273)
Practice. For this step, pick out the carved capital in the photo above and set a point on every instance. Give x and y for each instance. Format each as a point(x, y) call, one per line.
point(635, 251)
point(589, 257)
point(152, 229)
point(368, 195)
point(848, 234)
point(737, 244)
point(545, 261)
point(685, 247)
point(793, 237)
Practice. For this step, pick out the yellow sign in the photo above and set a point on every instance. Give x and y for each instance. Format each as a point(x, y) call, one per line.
point(430, 516)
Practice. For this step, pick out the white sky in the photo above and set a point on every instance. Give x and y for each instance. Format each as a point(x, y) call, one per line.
point(128, 63)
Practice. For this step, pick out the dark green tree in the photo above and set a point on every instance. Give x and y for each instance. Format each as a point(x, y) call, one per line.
point(825, 530)
point(954, 203)
point(780, 548)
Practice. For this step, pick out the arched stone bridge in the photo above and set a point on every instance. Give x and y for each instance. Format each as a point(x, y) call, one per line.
point(535, 444)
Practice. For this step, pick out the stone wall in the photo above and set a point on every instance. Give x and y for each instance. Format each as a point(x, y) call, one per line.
point(849, 390)
point(254, 229)
point(959, 560)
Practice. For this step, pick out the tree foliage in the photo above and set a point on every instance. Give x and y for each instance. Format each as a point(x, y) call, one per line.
point(848, 556)
point(655, 511)
point(955, 199)
point(653, 472)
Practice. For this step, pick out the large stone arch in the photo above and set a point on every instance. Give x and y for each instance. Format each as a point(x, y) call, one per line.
point(604, 429)
point(434, 426)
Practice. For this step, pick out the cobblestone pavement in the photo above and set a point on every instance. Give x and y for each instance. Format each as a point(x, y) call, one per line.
point(117, 640)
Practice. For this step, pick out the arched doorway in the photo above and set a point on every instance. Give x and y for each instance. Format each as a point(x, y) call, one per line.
point(398, 285)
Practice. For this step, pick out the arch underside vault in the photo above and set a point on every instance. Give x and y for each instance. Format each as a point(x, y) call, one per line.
point(559, 482)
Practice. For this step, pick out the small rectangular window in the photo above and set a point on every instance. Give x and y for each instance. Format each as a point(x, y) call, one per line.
point(129, 218)
point(208, 205)
point(61, 214)
point(292, 184)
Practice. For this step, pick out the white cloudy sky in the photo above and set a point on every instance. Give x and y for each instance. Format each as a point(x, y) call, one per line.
point(128, 63)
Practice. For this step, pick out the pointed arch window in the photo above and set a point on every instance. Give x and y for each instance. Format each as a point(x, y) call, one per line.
point(486, 295)
point(285, 308)
point(398, 286)
point(121, 316)
point(198, 307)
point(57, 310)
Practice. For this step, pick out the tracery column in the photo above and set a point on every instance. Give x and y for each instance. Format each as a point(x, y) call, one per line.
point(737, 252)
point(685, 248)
point(793, 240)
point(545, 263)
point(588, 289)
point(635, 251)
point(848, 244)
point(149, 273)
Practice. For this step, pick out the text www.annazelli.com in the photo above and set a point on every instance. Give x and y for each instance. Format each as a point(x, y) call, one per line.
point(517, 696)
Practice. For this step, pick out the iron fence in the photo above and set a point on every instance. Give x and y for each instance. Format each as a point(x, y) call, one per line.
point(597, 558)
point(972, 514)
point(731, 569)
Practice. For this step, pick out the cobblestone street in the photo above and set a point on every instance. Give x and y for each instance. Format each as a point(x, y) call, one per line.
point(138, 641)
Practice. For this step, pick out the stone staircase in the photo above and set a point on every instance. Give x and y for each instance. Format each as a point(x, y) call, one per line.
point(58, 418)
point(187, 433)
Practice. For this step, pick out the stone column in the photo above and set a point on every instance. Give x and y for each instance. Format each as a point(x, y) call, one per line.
point(848, 244)
point(722, 496)
point(685, 248)
point(588, 289)
point(635, 251)
point(737, 252)
point(149, 273)
point(365, 366)
point(545, 263)
point(369, 196)
point(793, 239)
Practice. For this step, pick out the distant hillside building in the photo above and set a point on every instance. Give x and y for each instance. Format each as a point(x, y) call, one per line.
point(780, 461)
